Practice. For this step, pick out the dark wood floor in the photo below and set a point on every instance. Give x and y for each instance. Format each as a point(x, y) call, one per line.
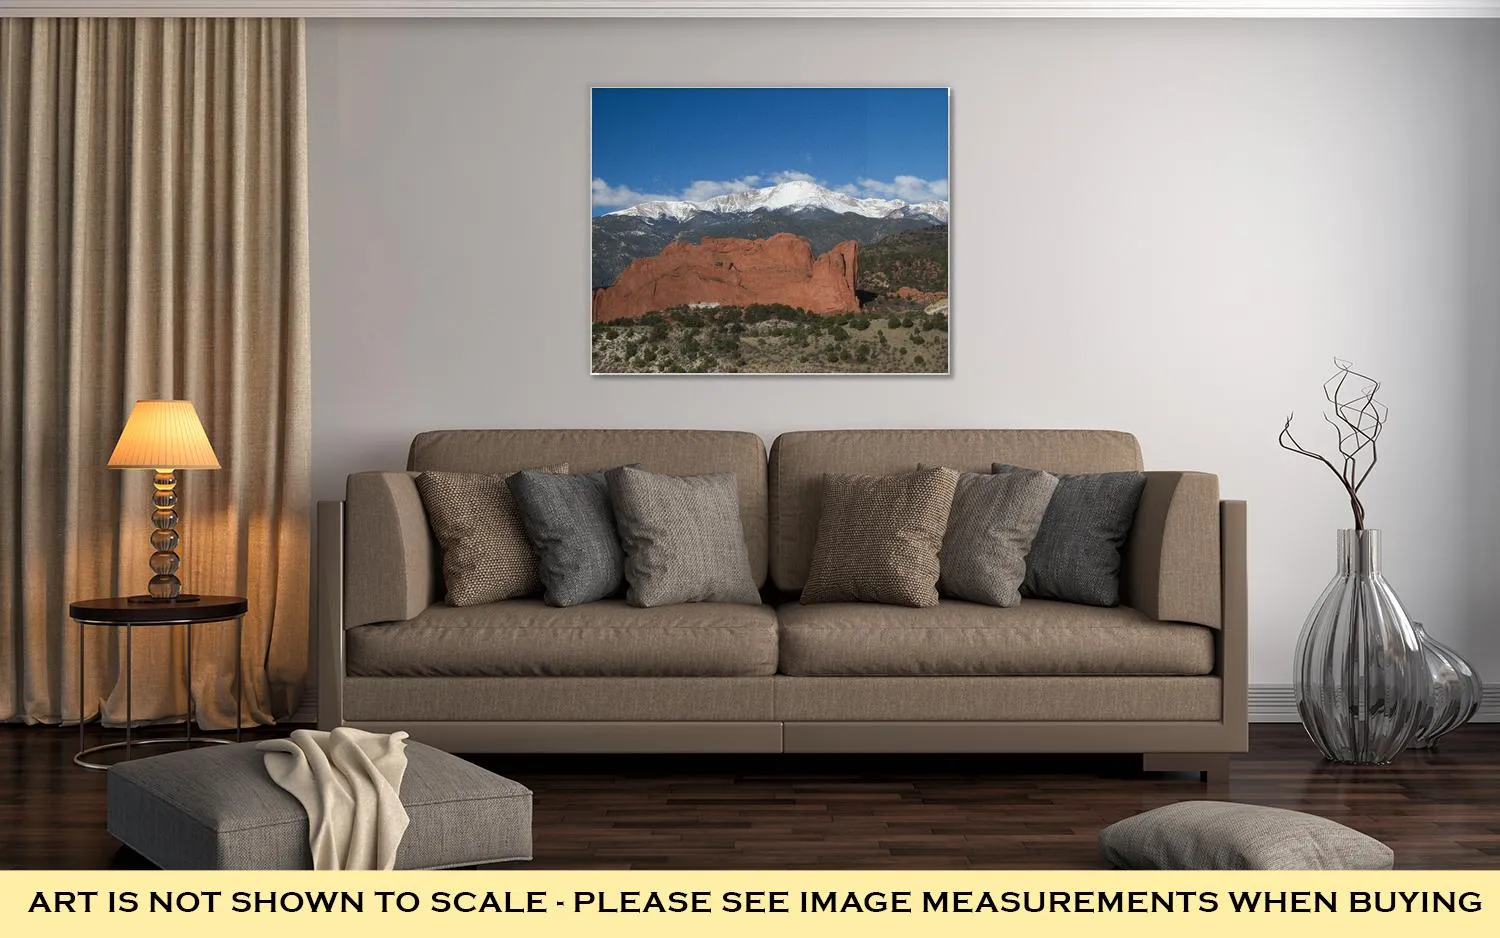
point(1438, 809)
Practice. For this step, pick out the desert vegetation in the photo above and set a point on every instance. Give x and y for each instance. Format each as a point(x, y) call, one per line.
point(899, 336)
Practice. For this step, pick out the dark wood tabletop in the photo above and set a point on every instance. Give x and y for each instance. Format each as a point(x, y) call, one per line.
point(119, 610)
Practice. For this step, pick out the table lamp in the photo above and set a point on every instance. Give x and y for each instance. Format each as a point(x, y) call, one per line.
point(164, 436)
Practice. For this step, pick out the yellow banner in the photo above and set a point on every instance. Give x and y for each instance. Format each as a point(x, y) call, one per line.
point(816, 903)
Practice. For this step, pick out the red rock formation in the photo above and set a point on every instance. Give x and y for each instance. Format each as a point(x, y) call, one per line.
point(735, 272)
point(912, 293)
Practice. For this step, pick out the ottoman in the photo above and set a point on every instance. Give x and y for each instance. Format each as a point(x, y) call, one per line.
point(216, 808)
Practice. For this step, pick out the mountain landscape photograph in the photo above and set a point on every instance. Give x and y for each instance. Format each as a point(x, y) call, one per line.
point(770, 231)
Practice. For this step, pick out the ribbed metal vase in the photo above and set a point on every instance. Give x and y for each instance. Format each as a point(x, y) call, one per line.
point(1361, 680)
point(1454, 691)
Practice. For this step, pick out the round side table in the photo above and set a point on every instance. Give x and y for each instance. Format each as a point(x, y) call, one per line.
point(120, 611)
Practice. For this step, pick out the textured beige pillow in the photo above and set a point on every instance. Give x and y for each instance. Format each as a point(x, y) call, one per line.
point(486, 556)
point(1222, 835)
point(682, 538)
point(879, 537)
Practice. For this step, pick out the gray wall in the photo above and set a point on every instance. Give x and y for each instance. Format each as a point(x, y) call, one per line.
point(1168, 227)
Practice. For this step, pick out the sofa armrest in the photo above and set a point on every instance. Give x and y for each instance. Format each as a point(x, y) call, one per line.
point(1172, 559)
point(390, 558)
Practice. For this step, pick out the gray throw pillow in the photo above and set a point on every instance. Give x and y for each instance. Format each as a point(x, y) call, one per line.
point(682, 538)
point(879, 538)
point(1219, 835)
point(486, 556)
point(990, 529)
point(571, 526)
point(1076, 555)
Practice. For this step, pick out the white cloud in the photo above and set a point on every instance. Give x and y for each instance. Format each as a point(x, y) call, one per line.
point(608, 196)
point(906, 188)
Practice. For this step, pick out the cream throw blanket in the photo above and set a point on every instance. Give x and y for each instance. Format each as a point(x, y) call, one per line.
point(349, 781)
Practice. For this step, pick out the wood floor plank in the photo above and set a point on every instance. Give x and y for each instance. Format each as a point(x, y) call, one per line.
point(1437, 809)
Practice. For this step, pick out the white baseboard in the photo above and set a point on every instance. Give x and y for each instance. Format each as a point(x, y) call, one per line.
point(1273, 703)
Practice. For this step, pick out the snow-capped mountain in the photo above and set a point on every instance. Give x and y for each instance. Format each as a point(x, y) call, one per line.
point(795, 196)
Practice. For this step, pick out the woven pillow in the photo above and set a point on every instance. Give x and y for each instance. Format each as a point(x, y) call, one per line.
point(990, 529)
point(682, 538)
point(1076, 554)
point(879, 538)
point(571, 526)
point(1219, 835)
point(486, 557)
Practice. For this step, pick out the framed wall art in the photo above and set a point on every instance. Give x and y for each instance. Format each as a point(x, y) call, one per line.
point(770, 230)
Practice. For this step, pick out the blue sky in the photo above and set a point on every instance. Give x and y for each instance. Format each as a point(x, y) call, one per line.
point(695, 143)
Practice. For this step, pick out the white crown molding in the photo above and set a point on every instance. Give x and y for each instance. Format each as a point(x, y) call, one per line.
point(764, 8)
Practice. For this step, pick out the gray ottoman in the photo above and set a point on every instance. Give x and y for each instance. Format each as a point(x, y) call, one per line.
point(216, 808)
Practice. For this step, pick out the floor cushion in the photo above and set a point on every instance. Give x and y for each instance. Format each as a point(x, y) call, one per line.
point(216, 808)
point(1220, 835)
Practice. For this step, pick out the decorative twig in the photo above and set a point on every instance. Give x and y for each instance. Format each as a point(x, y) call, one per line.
point(1357, 418)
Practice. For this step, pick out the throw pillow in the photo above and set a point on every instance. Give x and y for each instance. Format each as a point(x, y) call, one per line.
point(486, 557)
point(1076, 554)
point(682, 538)
point(990, 529)
point(1219, 835)
point(571, 526)
point(879, 538)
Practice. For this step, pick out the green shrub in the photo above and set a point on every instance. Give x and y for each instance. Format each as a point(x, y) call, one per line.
point(916, 339)
point(840, 334)
point(893, 323)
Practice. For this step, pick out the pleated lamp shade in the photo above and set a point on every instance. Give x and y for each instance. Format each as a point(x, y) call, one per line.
point(163, 435)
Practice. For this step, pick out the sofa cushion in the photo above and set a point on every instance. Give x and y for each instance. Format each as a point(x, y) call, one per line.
point(676, 452)
point(486, 557)
point(879, 537)
point(990, 530)
point(526, 637)
point(682, 538)
point(571, 526)
point(800, 458)
point(1076, 554)
point(961, 638)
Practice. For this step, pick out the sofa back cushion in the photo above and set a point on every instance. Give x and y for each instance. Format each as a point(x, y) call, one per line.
point(672, 452)
point(799, 459)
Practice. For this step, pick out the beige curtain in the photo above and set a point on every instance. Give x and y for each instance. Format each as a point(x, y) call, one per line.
point(153, 244)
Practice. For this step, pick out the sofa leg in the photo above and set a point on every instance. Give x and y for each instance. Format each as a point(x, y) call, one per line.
point(1212, 767)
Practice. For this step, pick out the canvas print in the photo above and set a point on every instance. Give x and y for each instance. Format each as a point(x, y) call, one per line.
point(770, 230)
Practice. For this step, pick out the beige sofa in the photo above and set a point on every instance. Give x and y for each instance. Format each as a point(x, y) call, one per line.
point(1163, 675)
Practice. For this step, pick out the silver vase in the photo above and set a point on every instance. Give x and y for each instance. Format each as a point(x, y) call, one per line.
point(1361, 680)
point(1454, 691)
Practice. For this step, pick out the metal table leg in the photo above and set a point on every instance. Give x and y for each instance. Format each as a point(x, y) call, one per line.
point(239, 679)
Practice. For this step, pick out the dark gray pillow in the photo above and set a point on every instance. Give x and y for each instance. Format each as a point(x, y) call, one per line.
point(682, 538)
point(1220, 835)
point(1076, 555)
point(571, 526)
point(990, 529)
point(879, 538)
point(486, 556)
